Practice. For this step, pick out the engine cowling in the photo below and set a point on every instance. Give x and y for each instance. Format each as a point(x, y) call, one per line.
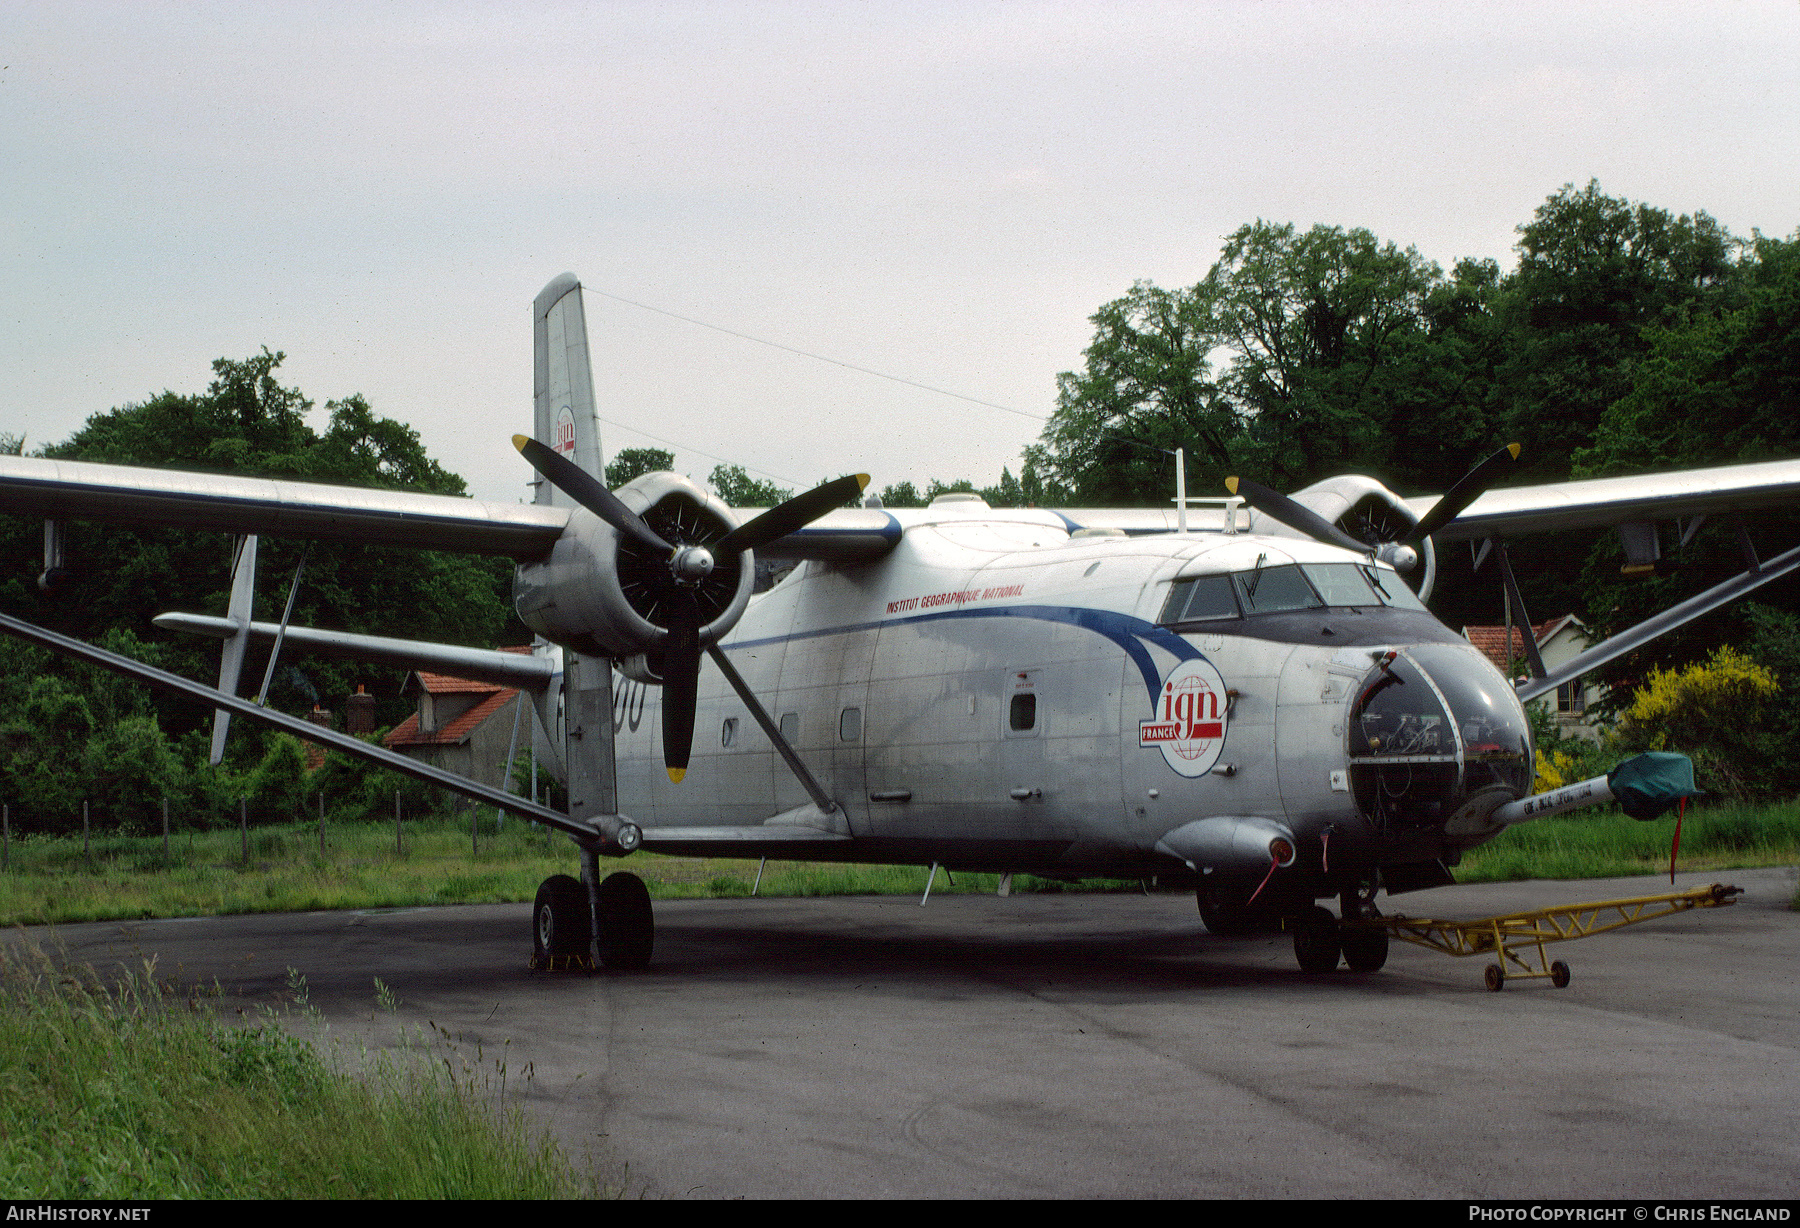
point(602, 593)
point(1370, 512)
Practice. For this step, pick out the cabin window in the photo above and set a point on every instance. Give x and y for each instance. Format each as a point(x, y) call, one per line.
point(1022, 714)
point(1200, 599)
point(850, 725)
point(790, 726)
point(728, 732)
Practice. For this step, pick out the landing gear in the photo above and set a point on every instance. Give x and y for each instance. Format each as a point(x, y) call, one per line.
point(1317, 940)
point(627, 923)
point(561, 928)
point(1365, 950)
point(562, 924)
point(1559, 974)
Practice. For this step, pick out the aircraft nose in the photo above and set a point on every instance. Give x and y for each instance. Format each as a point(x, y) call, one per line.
point(1433, 725)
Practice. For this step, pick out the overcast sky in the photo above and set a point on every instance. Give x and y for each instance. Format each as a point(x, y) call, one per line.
point(940, 192)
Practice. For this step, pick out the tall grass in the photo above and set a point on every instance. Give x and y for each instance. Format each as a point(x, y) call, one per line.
point(137, 1091)
point(50, 880)
point(1608, 844)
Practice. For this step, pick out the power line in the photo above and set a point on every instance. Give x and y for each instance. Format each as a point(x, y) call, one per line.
point(836, 362)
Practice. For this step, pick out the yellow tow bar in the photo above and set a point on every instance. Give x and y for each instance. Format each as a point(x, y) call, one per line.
point(1511, 938)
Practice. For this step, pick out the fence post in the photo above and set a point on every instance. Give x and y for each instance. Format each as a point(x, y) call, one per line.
point(244, 825)
point(85, 851)
point(399, 845)
point(321, 822)
point(474, 828)
point(165, 829)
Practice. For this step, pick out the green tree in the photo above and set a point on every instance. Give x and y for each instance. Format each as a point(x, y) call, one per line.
point(629, 463)
point(248, 422)
point(739, 489)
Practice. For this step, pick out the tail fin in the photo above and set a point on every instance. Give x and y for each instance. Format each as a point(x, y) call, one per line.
point(564, 382)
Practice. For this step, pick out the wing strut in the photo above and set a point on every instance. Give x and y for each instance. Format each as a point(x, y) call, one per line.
point(1660, 624)
point(820, 798)
point(611, 832)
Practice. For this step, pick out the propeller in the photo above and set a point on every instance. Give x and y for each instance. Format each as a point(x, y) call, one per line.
point(1470, 487)
point(685, 584)
point(1401, 553)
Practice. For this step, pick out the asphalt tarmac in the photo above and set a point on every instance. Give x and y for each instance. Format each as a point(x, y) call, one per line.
point(1084, 1046)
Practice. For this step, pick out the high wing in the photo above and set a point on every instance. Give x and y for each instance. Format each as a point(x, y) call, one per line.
point(278, 507)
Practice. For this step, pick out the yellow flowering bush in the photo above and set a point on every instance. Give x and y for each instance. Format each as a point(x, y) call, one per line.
point(1709, 710)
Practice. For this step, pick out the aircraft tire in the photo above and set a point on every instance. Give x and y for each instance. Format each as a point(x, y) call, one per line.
point(1365, 950)
point(1318, 943)
point(627, 922)
point(1559, 974)
point(561, 928)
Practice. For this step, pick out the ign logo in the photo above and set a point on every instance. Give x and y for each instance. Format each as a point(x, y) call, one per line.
point(1189, 725)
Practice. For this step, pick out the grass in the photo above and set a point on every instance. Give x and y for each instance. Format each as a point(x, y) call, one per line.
point(50, 880)
point(137, 1091)
point(1608, 844)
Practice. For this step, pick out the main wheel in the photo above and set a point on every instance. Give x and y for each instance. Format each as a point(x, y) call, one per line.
point(561, 928)
point(627, 923)
point(1365, 950)
point(1559, 974)
point(1495, 976)
point(1317, 941)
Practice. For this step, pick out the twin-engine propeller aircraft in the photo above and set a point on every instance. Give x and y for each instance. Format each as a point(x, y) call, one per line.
point(1251, 696)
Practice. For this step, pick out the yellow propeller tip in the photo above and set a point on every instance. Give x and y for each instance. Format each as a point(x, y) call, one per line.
point(862, 481)
point(1514, 449)
point(675, 774)
point(1231, 485)
point(519, 441)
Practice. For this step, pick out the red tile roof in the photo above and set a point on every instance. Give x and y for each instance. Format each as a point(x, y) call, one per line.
point(406, 733)
point(1492, 640)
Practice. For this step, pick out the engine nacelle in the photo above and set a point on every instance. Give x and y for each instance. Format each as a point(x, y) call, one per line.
point(602, 593)
point(1369, 511)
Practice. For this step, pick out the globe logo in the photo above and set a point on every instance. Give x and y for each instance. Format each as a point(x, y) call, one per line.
point(1188, 726)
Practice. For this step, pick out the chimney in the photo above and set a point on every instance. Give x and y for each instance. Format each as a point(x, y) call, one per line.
point(359, 713)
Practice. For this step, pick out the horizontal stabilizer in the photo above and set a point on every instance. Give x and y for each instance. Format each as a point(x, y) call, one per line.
point(513, 669)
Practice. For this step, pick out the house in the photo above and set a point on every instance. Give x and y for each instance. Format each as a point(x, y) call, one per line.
point(1558, 641)
point(463, 726)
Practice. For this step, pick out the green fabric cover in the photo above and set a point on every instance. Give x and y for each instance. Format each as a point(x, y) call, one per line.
point(1647, 785)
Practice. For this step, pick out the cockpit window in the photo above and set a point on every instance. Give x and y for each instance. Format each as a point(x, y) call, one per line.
point(1268, 589)
point(1341, 583)
point(1200, 599)
point(1392, 588)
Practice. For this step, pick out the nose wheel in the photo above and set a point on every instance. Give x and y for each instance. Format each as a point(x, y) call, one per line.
point(1318, 943)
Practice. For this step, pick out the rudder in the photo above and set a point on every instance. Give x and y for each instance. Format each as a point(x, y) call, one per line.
point(563, 384)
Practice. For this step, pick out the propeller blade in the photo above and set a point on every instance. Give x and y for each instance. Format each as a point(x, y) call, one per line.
point(796, 513)
point(1274, 504)
point(585, 489)
point(1470, 487)
point(681, 685)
